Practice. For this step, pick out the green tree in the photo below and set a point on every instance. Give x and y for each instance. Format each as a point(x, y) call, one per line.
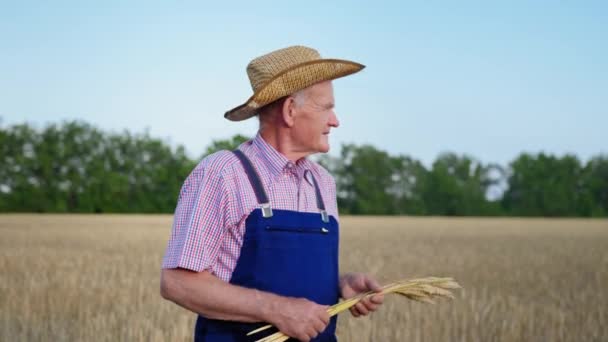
point(74, 167)
point(366, 181)
point(457, 185)
point(544, 185)
point(596, 183)
point(409, 177)
point(225, 144)
point(20, 188)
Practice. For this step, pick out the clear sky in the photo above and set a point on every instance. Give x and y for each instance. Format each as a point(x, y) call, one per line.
point(482, 78)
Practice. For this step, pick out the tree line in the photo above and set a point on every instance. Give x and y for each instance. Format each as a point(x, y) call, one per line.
point(75, 167)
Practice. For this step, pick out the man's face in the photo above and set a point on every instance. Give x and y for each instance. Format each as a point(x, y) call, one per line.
point(314, 119)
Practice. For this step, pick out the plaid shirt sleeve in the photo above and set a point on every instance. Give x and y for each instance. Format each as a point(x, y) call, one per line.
point(201, 218)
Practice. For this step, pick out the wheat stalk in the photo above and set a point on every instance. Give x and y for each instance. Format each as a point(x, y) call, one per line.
point(420, 289)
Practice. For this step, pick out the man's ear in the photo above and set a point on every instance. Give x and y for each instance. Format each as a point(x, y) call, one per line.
point(289, 111)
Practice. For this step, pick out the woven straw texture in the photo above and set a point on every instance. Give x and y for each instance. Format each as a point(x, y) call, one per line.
point(286, 71)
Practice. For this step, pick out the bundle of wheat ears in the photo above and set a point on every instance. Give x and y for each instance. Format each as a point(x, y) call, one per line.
point(421, 290)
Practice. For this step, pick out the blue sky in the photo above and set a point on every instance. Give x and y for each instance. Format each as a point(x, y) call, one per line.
point(483, 78)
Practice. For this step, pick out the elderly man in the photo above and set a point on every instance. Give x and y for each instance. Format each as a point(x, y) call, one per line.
point(255, 234)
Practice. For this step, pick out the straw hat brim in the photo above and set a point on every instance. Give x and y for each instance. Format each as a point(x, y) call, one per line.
point(291, 80)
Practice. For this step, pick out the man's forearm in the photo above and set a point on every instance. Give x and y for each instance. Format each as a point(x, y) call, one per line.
point(214, 298)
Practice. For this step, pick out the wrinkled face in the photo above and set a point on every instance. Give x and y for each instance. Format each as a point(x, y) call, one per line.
point(314, 119)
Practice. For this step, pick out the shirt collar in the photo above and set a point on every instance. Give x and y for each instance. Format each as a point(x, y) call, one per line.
point(276, 161)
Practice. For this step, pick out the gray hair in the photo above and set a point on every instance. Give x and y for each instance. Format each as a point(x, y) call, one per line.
point(299, 98)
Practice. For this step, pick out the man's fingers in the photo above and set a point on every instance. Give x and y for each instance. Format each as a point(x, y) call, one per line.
point(363, 308)
point(372, 284)
point(372, 307)
point(359, 283)
point(308, 335)
point(312, 333)
point(304, 336)
point(369, 305)
point(319, 326)
point(360, 307)
point(325, 319)
point(377, 299)
point(348, 292)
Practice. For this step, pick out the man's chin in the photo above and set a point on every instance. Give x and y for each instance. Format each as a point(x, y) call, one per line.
point(324, 148)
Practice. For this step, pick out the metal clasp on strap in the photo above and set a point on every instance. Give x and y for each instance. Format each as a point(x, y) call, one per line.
point(266, 210)
point(324, 216)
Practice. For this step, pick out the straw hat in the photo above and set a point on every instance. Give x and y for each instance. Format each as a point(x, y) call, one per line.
point(283, 72)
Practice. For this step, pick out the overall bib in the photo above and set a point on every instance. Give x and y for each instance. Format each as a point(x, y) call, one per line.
point(289, 253)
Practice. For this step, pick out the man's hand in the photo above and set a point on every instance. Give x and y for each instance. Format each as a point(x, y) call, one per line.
point(300, 318)
point(352, 284)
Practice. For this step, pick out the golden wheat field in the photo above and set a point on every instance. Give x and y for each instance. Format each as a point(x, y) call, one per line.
point(96, 278)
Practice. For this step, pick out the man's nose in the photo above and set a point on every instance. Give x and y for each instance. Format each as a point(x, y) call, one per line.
point(333, 120)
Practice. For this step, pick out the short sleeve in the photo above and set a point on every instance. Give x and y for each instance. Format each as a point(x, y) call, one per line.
point(200, 221)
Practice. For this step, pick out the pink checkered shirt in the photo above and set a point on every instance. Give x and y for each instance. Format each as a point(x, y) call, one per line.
point(217, 197)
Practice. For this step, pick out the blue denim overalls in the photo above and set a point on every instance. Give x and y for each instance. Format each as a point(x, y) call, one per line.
point(286, 252)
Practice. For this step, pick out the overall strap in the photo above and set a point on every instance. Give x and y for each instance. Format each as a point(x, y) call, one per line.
point(256, 183)
point(320, 203)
